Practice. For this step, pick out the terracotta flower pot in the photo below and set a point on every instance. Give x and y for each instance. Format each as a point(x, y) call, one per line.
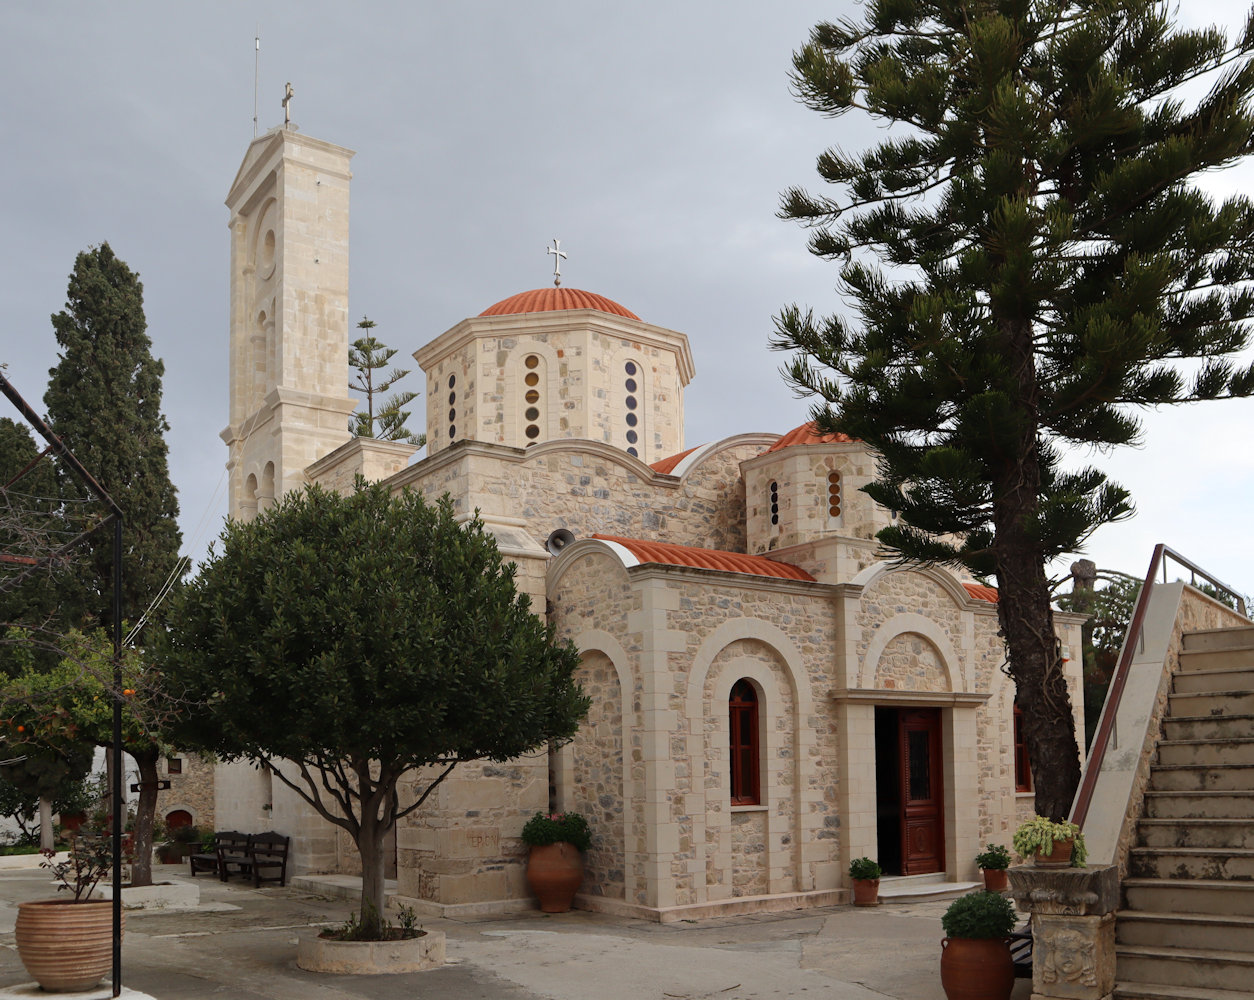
point(866, 892)
point(1059, 858)
point(995, 879)
point(977, 969)
point(66, 946)
point(555, 872)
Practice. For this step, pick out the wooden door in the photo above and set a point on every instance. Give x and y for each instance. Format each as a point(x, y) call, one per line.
point(922, 791)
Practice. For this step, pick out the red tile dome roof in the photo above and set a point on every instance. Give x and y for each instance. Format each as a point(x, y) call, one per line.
point(556, 300)
point(688, 555)
point(807, 433)
point(981, 592)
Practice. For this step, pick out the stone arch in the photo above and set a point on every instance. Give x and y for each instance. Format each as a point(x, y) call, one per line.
point(904, 624)
point(749, 628)
point(609, 864)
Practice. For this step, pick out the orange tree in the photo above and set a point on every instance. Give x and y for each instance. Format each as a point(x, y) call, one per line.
point(363, 638)
point(57, 711)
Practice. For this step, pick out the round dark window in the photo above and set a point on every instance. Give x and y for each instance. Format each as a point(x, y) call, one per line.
point(531, 361)
point(532, 413)
point(452, 415)
point(631, 420)
point(631, 402)
point(452, 398)
point(452, 432)
point(631, 385)
point(533, 431)
point(532, 378)
point(632, 451)
point(632, 437)
point(630, 368)
point(452, 381)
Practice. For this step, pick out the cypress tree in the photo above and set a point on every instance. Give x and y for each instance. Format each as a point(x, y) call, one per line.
point(104, 402)
point(1030, 262)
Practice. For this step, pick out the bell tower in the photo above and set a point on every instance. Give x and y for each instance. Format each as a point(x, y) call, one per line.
point(289, 400)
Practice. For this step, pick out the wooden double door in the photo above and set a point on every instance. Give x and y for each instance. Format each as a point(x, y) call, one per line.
point(910, 790)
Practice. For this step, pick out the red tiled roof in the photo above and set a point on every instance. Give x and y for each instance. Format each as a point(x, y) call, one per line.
point(807, 433)
point(981, 592)
point(687, 555)
point(667, 465)
point(556, 300)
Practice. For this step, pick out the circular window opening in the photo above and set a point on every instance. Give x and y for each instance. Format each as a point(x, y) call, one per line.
point(631, 402)
point(533, 431)
point(452, 415)
point(531, 361)
point(533, 395)
point(532, 378)
point(532, 413)
point(452, 431)
point(834, 510)
point(631, 385)
point(452, 381)
point(633, 452)
point(631, 420)
point(774, 519)
point(452, 398)
point(630, 368)
point(833, 478)
point(632, 437)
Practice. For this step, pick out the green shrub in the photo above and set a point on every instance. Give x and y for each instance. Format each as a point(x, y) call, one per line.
point(864, 868)
point(979, 915)
point(994, 857)
point(556, 828)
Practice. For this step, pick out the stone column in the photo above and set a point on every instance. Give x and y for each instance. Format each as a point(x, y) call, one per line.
point(1073, 929)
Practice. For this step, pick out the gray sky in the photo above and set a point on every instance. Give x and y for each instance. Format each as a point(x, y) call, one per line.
point(652, 139)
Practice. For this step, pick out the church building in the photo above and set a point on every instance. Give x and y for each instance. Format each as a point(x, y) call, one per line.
point(770, 699)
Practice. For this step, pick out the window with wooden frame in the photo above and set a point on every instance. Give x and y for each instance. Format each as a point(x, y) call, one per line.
point(174, 765)
point(742, 709)
point(1023, 766)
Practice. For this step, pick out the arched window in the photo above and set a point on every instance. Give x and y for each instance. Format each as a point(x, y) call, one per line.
point(534, 414)
point(743, 717)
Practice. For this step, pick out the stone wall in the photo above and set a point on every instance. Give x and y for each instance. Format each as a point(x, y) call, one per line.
point(190, 790)
point(597, 776)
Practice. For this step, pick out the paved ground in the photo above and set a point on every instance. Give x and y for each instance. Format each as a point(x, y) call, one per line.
point(241, 943)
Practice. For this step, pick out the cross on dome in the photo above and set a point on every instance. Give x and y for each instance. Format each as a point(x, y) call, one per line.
point(559, 255)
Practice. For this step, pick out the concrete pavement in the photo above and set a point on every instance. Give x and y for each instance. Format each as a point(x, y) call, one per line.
point(241, 943)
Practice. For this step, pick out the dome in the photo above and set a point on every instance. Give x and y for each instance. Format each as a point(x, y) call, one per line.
point(807, 433)
point(556, 300)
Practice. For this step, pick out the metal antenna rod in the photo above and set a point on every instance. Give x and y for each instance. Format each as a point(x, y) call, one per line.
point(256, 72)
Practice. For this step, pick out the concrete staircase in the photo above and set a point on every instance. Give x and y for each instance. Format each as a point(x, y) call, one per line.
point(1187, 928)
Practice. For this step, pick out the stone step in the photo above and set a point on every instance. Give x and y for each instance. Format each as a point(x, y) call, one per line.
point(1203, 968)
point(1172, 753)
point(1200, 805)
point(1219, 638)
point(1229, 679)
point(1189, 896)
point(1227, 864)
point(1220, 727)
point(1216, 659)
point(1221, 833)
point(1191, 704)
point(1202, 778)
point(922, 888)
point(1161, 991)
point(1184, 930)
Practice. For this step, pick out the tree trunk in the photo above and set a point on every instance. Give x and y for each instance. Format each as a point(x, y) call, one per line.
point(47, 838)
point(370, 847)
point(145, 812)
point(1023, 608)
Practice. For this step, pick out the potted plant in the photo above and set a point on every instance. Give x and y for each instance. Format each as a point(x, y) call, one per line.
point(1050, 844)
point(865, 874)
point(183, 841)
point(975, 953)
point(555, 865)
point(993, 862)
point(67, 944)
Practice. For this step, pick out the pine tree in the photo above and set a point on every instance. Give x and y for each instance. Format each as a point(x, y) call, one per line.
point(387, 423)
point(104, 402)
point(1030, 261)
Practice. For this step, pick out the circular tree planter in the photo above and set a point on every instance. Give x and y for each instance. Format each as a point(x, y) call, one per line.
point(371, 958)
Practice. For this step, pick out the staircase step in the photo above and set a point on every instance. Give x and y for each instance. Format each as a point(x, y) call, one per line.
point(1189, 896)
point(1219, 638)
point(1216, 659)
point(1195, 703)
point(1231, 864)
point(1209, 727)
point(1174, 753)
point(1228, 679)
point(1160, 991)
point(1200, 805)
point(1221, 833)
point(1202, 778)
point(1204, 968)
point(1217, 932)
point(922, 888)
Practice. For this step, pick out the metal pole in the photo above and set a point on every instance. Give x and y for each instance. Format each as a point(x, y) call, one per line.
point(117, 755)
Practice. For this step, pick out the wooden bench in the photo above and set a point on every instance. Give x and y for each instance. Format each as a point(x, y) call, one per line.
point(209, 861)
point(267, 852)
point(1021, 951)
point(232, 850)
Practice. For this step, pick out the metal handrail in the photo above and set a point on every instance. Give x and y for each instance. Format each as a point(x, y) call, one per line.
point(1080, 810)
